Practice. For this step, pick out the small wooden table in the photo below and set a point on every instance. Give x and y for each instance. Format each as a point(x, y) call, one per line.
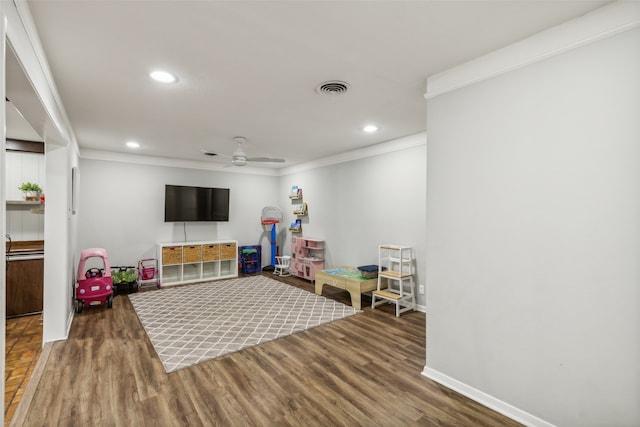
point(348, 279)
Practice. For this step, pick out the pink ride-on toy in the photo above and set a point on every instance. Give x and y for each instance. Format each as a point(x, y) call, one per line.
point(94, 286)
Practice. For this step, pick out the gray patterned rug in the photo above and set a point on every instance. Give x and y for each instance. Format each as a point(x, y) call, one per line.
point(195, 323)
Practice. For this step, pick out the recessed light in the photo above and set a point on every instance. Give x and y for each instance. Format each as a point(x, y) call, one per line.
point(370, 128)
point(163, 76)
point(133, 144)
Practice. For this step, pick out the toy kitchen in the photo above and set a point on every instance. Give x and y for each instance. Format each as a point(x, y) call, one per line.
point(24, 241)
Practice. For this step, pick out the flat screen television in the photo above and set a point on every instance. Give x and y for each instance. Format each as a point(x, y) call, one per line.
point(185, 204)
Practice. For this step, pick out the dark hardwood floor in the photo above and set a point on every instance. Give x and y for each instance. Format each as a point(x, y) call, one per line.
point(362, 370)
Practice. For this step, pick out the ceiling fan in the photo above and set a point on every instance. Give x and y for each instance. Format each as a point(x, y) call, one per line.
point(239, 158)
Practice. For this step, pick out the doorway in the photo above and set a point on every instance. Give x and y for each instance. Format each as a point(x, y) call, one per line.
point(24, 224)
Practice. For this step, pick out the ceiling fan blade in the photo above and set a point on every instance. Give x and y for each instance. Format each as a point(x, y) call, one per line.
point(212, 154)
point(239, 158)
point(264, 159)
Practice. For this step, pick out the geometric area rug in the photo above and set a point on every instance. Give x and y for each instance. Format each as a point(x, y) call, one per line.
point(195, 323)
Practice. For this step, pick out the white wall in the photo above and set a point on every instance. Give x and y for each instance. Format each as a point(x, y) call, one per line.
point(3, 227)
point(354, 206)
point(58, 269)
point(122, 208)
point(33, 93)
point(21, 168)
point(533, 218)
point(357, 205)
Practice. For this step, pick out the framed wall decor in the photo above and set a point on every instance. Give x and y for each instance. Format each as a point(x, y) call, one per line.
point(75, 178)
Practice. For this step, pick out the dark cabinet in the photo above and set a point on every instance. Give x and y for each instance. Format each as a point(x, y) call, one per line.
point(25, 285)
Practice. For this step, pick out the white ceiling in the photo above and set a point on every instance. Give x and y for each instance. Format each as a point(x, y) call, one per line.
point(250, 68)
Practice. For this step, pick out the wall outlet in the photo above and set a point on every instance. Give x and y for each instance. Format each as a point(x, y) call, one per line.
point(421, 289)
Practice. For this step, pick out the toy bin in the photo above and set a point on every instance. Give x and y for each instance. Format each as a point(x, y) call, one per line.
point(369, 271)
point(125, 280)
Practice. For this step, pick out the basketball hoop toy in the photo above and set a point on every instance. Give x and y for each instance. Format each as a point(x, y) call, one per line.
point(271, 216)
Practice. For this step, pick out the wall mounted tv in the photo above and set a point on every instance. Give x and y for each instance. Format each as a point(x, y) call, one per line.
point(184, 204)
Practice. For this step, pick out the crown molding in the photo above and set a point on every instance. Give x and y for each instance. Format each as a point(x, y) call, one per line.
point(139, 159)
point(599, 24)
point(399, 144)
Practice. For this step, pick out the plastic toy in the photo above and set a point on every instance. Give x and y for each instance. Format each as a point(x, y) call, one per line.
point(94, 286)
point(147, 272)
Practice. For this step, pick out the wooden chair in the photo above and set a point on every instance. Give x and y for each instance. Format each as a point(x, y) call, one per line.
point(283, 264)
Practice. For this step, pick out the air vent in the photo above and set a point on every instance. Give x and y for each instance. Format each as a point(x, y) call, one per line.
point(333, 87)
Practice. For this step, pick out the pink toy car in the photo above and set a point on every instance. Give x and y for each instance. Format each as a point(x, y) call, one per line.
point(94, 286)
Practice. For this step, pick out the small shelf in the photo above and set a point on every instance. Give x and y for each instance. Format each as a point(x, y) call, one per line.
point(23, 202)
point(300, 209)
point(296, 193)
point(296, 226)
point(35, 206)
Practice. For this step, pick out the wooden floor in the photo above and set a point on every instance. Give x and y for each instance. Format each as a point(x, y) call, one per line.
point(23, 345)
point(362, 370)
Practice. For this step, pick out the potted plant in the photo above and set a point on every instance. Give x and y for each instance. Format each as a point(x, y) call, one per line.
point(31, 191)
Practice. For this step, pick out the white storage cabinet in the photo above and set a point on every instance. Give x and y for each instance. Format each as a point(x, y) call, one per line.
point(190, 262)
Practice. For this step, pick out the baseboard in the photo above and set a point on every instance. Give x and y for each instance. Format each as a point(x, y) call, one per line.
point(69, 321)
point(485, 399)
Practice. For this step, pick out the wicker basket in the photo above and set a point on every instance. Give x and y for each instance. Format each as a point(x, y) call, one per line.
point(228, 251)
point(192, 253)
point(171, 255)
point(211, 252)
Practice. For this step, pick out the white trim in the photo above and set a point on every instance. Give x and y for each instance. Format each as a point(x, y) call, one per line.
point(399, 144)
point(23, 36)
point(604, 22)
point(69, 323)
point(3, 197)
point(485, 399)
point(139, 159)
